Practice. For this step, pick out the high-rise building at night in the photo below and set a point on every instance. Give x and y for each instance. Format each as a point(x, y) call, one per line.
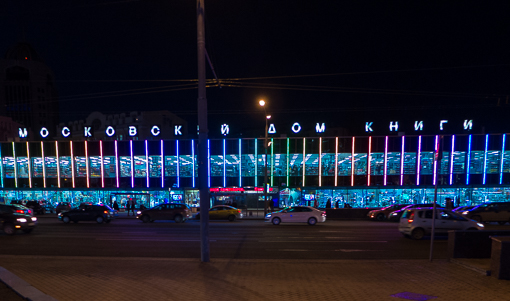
point(27, 88)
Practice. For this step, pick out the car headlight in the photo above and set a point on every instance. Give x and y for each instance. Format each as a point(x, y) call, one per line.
point(34, 219)
point(393, 214)
point(465, 212)
point(138, 212)
point(268, 215)
point(480, 225)
point(22, 220)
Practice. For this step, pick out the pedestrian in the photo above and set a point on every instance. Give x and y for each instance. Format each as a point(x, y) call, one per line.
point(328, 204)
point(115, 205)
point(336, 203)
point(128, 206)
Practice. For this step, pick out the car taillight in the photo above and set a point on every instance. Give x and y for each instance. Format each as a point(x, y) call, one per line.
point(411, 218)
point(323, 213)
point(238, 210)
point(105, 212)
point(21, 211)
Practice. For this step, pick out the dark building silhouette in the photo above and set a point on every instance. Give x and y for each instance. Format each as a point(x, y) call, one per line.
point(27, 89)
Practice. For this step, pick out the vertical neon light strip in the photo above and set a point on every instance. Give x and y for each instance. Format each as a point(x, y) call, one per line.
point(1, 169)
point(58, 164)
point(178, 163)
point(451, 160)
point(502, 159)
point(320, 161)
point(369, 155)
point(288, 160)
point(15, 166)
point(87, 163)
point(418, 164)
point(147, 160)
point(29, 167)
point(163, 166)
point(402, 157)
point(117, 163)
point(43, 165)
point(256, 164)
point(485, 158)
point(272, 161)
point(385, 170)
point(208, 163)
point(192, 160)
point(352, 162)
point(436, 154)
point(132, 164)
point(224, 166)
point(336, 161)
point(102, 162)
point(72, 162)
point(304, 160)
point(240, 165)
point(468, 160)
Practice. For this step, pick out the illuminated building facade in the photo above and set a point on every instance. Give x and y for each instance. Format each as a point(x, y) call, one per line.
point(365, 171)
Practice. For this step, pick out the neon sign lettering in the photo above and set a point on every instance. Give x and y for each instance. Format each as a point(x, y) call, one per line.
point(66, 132)
point(132, 131)
point(320, 128)
point(44, 132)
point(296, 127)
point(155, 131)
point(22, 132)
point(86, 131)
point(225, 129)
point(177, 130)
point(272, 129)
point(110, 131)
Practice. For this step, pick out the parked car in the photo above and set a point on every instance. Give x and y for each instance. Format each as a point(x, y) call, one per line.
point(297, 214)
point(415, 223)
point(382, 214)
point(173, 211)
point(395, 215)
point(15, 217)
point(223, 212)
point(36, 207)
point(88, 212)
point(62, 206)
point(461, 209)
point(490, 212)
point(47, 206)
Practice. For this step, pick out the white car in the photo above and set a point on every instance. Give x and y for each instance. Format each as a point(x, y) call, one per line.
point(417, 222)
point(297, 214)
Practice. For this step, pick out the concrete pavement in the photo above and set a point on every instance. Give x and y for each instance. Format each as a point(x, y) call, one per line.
point(95, 278)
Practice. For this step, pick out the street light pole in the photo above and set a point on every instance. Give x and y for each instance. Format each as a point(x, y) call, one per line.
point(262, 103)
point(202, 136)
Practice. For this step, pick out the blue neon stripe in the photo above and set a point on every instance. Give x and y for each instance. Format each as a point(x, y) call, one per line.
point(224, 166)
point(468, 160)
point(485, 159)
point(240, 161)
point(451, 160)
point(209, 163)
point(178, 165)
point(162, 166)
point(193, 160)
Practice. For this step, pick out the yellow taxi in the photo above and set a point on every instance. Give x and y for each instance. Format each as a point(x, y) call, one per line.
point(223, 212)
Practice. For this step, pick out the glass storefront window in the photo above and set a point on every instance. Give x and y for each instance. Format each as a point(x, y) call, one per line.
point(232, 163)
point(248, 165)
point(109, 167)
point(37, 168)
point(140, 167)
point(95, 167)
point(125, 166)
point(186, 166)
point(296, 164)
point(217, 166)
point(155, 166)
point(66, 170)
point(51, 167)
point(22, 166)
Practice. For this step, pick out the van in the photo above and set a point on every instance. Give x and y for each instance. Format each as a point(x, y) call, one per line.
point(490, 212)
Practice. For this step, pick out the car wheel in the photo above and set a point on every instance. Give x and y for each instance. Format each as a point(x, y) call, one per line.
point(27, 230)
point(178, 218)
point(99, 219)
point(501, 223)
point(66, 219)
point(380, 217)
point(231, 218)
point(312, 221)
point(418, 233)
point(146, 219)
point(276, 221)
point(477, 218)
point(9, 229)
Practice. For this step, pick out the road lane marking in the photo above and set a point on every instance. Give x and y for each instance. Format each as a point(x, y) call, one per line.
point(149, 239)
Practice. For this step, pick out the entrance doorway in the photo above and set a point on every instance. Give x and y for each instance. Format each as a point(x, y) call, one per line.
point(123, 198)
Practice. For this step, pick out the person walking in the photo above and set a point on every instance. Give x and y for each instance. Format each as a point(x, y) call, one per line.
point(128, 206)
point(115, 205)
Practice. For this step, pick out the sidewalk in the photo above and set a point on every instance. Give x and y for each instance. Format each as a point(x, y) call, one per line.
point(93, 278)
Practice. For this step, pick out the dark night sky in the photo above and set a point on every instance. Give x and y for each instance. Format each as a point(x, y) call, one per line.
point(359, 61)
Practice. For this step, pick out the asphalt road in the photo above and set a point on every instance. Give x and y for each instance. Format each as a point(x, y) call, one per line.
point(246, 239)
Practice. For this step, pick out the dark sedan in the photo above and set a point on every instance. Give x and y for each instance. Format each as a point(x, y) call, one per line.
point(87, 212)
point(382, 214)
point(16, 217)
point(173, 211)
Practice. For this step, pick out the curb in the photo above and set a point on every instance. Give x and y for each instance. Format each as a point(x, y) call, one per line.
point(23, 288)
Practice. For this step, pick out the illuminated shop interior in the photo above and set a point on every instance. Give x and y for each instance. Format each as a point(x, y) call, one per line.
point(368, 171)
